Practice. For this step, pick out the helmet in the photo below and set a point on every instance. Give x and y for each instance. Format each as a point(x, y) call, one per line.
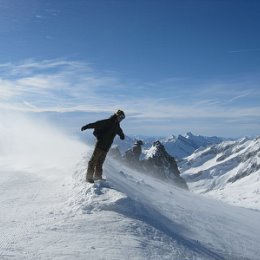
point(120, 114)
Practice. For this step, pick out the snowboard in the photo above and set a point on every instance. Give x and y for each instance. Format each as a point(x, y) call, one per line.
point(95, 181)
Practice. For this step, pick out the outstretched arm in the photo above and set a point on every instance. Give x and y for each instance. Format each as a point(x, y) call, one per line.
point(99, 124)
point(88, 126)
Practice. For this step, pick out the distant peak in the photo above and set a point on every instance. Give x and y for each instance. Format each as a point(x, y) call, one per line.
point(181, 137)
point(189, 134)
point(171, 138)
point(157, 144)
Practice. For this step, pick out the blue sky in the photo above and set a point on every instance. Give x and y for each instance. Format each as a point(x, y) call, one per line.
point(173, 66)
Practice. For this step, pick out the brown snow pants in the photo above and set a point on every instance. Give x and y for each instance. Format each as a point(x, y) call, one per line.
point(95, 164)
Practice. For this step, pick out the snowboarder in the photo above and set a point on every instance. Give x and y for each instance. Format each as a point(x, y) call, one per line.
point(105, 132)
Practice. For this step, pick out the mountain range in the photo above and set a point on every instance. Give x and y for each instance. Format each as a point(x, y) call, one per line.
point(229, 171)
point(179, 147)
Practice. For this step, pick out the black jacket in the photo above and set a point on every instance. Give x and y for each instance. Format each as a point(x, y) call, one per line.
point(105, 132)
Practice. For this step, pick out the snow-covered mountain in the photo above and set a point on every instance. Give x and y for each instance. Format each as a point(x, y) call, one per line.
point(229, 171)
point(183, 146)
point(178, 147)
point(49, 212)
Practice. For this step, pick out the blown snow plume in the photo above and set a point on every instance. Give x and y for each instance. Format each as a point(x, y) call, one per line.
point(27, 142)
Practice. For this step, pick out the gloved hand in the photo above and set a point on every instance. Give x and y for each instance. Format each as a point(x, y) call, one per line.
point(83, 128)
point(122, 137)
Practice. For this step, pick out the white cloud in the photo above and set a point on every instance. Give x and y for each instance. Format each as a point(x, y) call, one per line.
point(242, 95)
point(69, 86)
point(39, 82)
point(6, 89)
point(31, 67)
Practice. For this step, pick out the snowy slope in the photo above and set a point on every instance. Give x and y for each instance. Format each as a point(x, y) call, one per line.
point(229, 171)
point(49, 212)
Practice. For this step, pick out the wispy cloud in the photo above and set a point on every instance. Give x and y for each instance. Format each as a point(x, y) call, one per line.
point(69, 86)
point(224, 93)
point(240, 96)
point(245, 50)
point(53, 85)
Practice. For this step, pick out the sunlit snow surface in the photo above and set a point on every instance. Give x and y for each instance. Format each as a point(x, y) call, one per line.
point(229, 171)
point(49, 212)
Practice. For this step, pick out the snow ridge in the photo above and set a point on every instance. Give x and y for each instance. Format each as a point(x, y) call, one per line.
point(157, 220)
point(228, 171)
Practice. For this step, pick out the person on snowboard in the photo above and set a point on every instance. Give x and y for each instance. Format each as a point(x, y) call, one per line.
point(105, 132)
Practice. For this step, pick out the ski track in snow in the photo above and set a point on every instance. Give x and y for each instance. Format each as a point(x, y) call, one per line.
point(131, 216)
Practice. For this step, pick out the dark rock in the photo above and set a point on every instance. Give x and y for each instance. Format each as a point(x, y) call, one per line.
point(163, 165)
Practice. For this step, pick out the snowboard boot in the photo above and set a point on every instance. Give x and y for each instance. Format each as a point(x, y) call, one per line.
point(99, 178)
point(90, 180)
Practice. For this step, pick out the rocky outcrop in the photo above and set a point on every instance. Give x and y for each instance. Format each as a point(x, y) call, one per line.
point(158, 162)
point(162, 164)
